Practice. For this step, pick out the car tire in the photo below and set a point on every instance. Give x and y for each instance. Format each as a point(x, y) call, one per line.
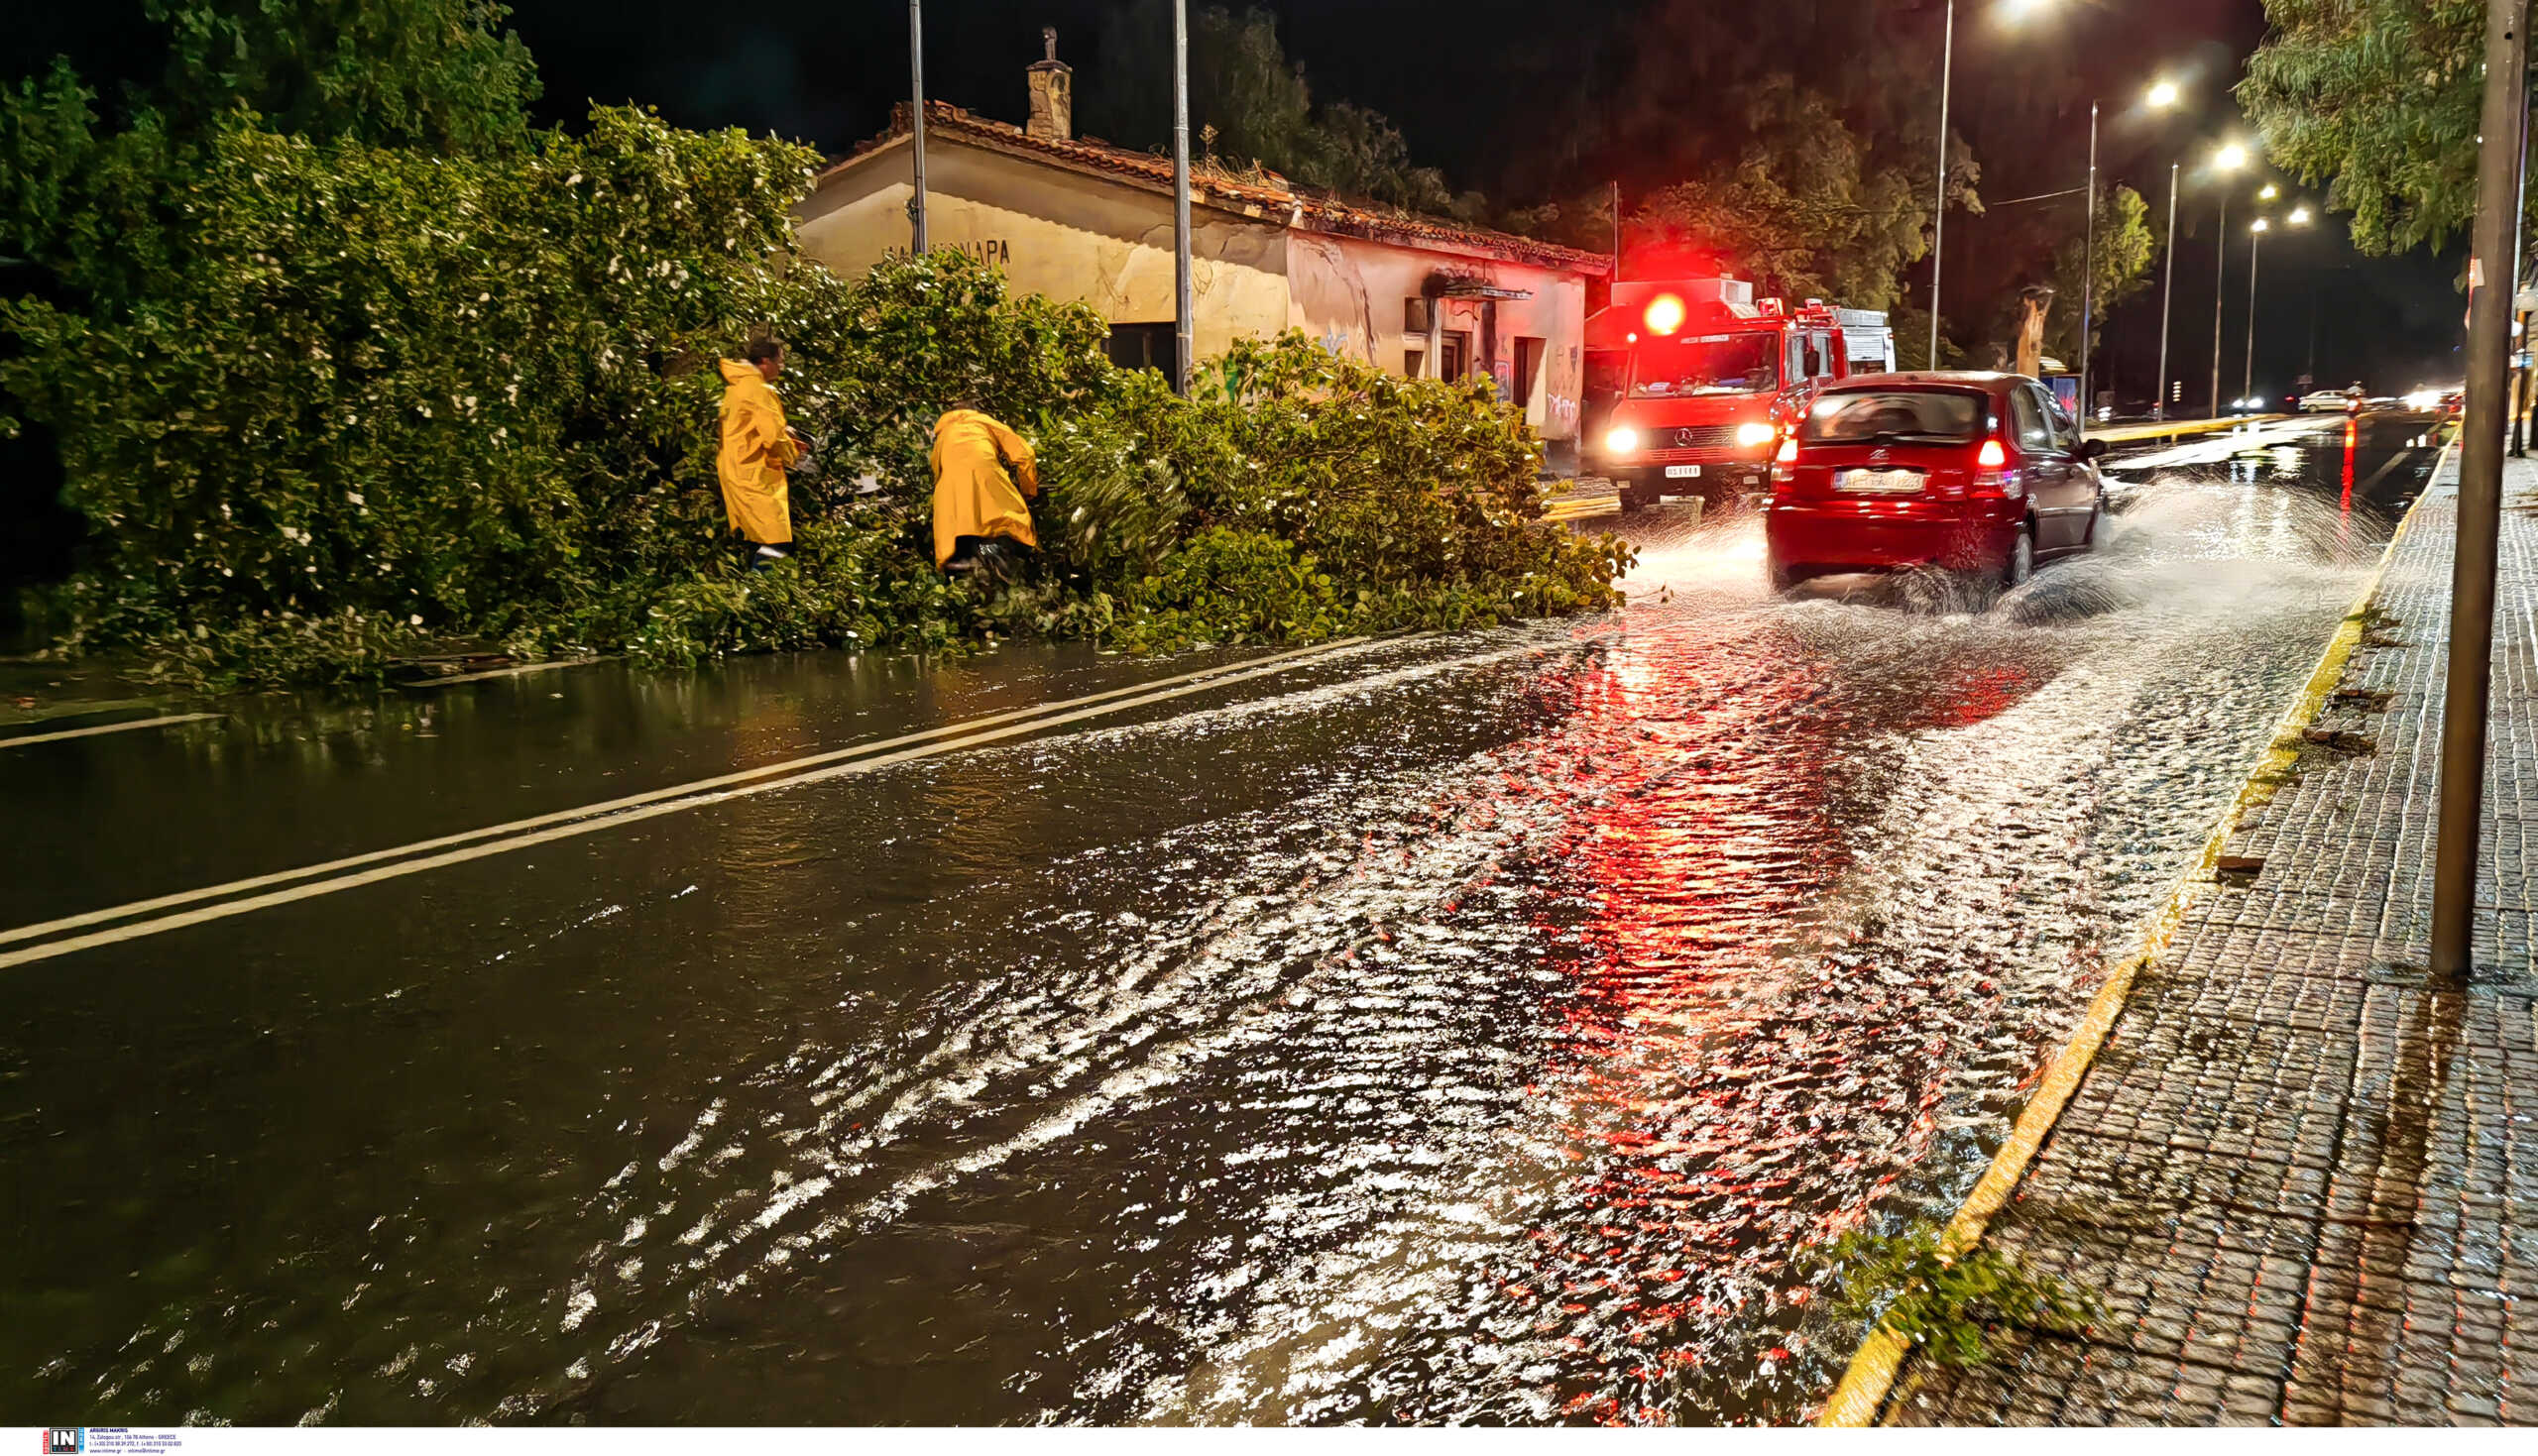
point(1632, 505)
point(2022, 563)
point(1783, 576)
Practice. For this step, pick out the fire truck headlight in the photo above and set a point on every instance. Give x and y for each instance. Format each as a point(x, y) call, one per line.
point(1621, 439)
point(1754, 432)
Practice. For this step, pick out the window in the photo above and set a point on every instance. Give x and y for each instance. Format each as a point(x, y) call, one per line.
point(1415, 315)
point(2066, 430)
point(1414, 362)
point(1712, 363)
point(1953, 416)
point(1457, 356)
point(2027, 417)
point(1142, 345)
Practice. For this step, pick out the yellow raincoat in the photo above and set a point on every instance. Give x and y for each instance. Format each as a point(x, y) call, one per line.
point(972, 496)
point(757, 447)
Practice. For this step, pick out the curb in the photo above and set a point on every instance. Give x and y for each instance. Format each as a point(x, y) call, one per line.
point(1870, 1377)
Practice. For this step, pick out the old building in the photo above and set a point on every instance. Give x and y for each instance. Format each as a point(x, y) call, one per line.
point(1078, 219)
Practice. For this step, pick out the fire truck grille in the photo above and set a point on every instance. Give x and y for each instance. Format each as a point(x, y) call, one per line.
point(1699, 437)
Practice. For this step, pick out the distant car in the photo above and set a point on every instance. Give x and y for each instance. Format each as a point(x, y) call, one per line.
point(2323, 401)
point(1969, 472)
point(2251, 405)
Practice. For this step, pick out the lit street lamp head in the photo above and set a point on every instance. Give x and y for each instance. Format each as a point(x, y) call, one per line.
point(2299, 217)
point(2260, 225)
point(2162, 94)
point(2268, 192)
point(2231, 158)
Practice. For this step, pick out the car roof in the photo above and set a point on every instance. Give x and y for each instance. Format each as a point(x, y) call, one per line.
point(1988, 381)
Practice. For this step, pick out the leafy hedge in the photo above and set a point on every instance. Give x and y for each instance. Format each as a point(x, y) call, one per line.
point(371, 398)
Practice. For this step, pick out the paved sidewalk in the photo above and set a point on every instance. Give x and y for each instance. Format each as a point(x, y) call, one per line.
point(2305, 1184)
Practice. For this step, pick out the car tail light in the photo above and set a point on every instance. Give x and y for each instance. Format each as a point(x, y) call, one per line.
point(1785, 461)
point(1991, 473)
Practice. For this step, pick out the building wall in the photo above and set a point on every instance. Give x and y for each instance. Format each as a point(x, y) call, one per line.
point(1057, 232)
point(1085, 238)
point(1352, 294)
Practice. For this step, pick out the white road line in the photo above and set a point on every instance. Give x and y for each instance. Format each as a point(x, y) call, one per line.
point(522, 670)
point(111, 728)
point(540, 828)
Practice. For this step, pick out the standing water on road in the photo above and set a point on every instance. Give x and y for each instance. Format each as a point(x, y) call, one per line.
point(1480, 1028)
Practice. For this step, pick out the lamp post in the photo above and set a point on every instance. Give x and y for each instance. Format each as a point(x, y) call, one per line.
point(2256, 236)
point(916, 122)
point(1939, 215)
point(1184, 328)
point(2168, 296)
point(2089, 270)
point(2228, 160)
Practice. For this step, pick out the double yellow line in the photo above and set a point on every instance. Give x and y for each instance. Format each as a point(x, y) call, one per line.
point(116, 924)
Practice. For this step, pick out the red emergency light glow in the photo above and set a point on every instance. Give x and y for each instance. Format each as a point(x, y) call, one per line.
point(1664, 315)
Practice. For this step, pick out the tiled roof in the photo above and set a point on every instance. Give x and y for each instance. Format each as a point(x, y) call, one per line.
point(1267, 196)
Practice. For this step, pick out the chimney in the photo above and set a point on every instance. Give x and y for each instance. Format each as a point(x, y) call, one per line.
point(1052, 93)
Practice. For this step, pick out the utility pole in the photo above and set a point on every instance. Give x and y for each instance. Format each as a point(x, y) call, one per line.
point(2167, 295)
point(1183, 331)
point(2088, 273)
point(1939, 217)
point(916, 120)
point(2497, 255)
point(2220, 275)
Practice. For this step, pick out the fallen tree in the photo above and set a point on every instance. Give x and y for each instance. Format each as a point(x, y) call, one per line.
point(358, 399)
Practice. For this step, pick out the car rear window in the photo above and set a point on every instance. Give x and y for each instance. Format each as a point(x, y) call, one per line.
point(1951, 416)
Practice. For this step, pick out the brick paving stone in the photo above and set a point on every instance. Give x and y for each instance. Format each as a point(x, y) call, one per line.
point(2303, 1182)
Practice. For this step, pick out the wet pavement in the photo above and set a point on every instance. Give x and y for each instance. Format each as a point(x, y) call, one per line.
point(1458, 1028)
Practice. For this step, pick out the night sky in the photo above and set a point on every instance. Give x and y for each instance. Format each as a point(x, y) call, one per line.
point(1455, 79)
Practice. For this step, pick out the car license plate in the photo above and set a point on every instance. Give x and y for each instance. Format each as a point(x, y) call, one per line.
point(1880, 482)
point(1682, 471)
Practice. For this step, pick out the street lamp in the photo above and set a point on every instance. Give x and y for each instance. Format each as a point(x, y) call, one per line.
point(2162, 96)
point(1939, 215)
point(2299, 217)
point(2225, 161)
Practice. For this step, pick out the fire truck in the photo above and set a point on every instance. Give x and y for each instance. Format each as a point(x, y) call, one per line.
point(1690, 383)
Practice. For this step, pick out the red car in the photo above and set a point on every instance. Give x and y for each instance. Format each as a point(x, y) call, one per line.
point(1971, 472)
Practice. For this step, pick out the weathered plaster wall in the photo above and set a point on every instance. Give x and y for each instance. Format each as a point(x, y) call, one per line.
point(1057, 232)
point(1351, 295)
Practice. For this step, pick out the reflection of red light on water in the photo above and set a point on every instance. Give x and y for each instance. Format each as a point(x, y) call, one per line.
point(2350, 430)
point(1691, 1080)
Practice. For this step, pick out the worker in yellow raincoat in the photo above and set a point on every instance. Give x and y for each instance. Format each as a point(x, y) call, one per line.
point(977, 508)
point(757, 448)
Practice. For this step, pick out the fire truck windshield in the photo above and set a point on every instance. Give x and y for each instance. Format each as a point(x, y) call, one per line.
point(1711, 364)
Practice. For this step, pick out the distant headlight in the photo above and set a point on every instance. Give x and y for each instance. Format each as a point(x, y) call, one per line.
point(2422, 399)
point(1621, 439)
point(1754, 432)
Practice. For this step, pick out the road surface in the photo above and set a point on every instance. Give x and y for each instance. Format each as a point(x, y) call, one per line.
point(1480, 1027)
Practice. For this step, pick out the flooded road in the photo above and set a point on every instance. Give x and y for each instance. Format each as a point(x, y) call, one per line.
point(1459, 1027)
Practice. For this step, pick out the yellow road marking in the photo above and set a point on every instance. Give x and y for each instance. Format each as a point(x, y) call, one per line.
point(1862, 1393)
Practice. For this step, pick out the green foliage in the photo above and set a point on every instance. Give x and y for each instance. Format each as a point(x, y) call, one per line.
point(412, 373)
point(2381, 99)
point(1802, 205)
point(439, 75)
point(1944, 1303)
point(2121, 258)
